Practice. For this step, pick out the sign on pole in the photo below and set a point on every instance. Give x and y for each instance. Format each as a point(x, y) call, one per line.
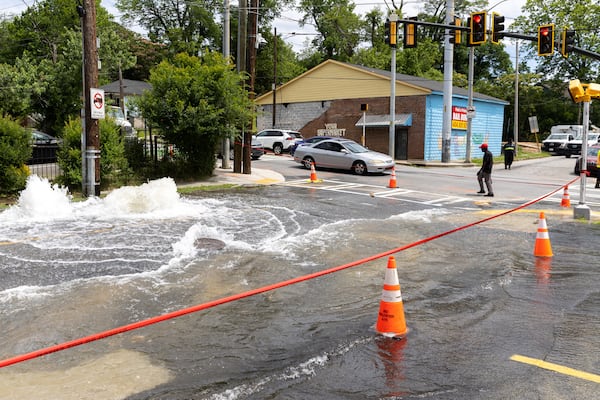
point(533, 124)
point(97, 103)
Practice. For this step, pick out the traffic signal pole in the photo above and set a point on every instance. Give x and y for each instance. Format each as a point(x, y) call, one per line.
point(447, 95)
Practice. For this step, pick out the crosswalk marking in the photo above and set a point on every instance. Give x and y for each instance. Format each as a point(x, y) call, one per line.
point(406, 195)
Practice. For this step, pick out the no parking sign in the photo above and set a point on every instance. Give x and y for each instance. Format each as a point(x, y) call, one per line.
point(97, 103)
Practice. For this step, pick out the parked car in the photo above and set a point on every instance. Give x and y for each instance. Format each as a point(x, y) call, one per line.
point(309, 141)
point(44, 148)
point(257, 150)
point(574, 146)
point(340, 153)
point(554, 142)
point(591, 160)
point(39, 138)
point(278, 140)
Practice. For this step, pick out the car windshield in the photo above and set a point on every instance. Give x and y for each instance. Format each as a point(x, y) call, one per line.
point(593, 151)
point(115, 112)
point(355, 147)
point(297, 135)
point(558, 136)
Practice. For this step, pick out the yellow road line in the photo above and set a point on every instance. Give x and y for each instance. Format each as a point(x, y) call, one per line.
point(557, 368)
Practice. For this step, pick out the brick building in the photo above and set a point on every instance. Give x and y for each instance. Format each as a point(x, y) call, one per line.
point(327, 100)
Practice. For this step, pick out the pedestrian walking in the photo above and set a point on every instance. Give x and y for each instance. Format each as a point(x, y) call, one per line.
point(485, 173)
point(509, 153)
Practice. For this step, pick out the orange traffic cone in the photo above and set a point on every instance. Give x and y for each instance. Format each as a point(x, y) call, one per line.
point(393, 184)
point(390, 321)
point(313, 174)
point(566, 201)
point(542, 241)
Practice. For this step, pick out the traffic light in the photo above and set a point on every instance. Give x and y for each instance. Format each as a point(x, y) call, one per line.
point(391, 34)
point(545, 40)
point(497, 27)
point(478, 28)
point(567, 43)
point(456, 34)
point(410, 34)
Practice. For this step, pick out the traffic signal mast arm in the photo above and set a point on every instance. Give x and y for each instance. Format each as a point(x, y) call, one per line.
point(506, 34)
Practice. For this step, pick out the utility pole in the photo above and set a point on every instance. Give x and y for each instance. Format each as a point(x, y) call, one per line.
point(447, 96)
point(516, 110)
point(392, 128)
point(274, 77)
point(252, 45)
point(470, 108)
point(92, 129)
point(226, 53)
point(241, 67)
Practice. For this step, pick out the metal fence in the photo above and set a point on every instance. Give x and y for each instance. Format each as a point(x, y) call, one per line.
point(43, 162)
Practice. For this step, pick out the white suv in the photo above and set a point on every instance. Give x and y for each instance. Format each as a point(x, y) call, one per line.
point(278, 140)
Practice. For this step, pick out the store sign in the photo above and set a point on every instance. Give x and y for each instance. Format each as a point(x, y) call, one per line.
point(459, 117)
point(331, 130)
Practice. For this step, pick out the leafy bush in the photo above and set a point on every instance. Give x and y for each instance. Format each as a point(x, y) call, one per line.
point(114, 168)
point(15, 150)
point(196, 102)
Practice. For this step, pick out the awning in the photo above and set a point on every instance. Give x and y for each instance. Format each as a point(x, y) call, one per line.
point(380, 121)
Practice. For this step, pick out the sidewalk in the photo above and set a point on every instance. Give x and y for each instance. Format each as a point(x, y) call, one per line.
point(228, 177)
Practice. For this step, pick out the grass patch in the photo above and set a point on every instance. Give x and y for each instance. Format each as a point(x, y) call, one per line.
point(205, 188)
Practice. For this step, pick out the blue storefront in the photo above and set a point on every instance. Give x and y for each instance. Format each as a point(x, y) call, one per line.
point(486, 126)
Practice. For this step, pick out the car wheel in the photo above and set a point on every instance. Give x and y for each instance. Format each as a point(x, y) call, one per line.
point(359, 168)
point(277, 148)
point(308, 162)
point(568, 154)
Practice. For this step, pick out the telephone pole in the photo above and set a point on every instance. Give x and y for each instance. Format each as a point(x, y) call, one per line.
point(91, 157)
point(252, 45)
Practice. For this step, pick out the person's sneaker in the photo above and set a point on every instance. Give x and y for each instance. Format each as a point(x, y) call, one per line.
point(481, 191)
point(489, 195)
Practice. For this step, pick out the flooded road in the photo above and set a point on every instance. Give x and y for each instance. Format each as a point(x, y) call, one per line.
point(472, 299)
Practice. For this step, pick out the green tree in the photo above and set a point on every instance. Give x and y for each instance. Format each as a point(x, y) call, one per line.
point(15, 149)
point(184, 26)
point(339, 26)
point(578, 15)
point(48, 36)
point(196, 103)
point(19, 85)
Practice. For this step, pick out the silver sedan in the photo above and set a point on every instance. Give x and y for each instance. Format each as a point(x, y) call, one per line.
point(340, 153)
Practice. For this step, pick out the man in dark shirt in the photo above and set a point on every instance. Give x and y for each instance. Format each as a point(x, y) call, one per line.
point(485, 173)
point(509, 153)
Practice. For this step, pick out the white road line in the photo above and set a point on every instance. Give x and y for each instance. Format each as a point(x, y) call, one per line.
point(394, 194)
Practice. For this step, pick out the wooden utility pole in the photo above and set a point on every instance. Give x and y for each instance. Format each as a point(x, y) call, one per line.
point(252, 44)
point(90, 75)
point(241, 67)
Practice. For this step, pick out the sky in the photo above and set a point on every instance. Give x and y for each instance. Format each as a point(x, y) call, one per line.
point(289, 29)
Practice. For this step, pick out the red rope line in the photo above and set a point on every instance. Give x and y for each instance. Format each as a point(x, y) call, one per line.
point(249, 293)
